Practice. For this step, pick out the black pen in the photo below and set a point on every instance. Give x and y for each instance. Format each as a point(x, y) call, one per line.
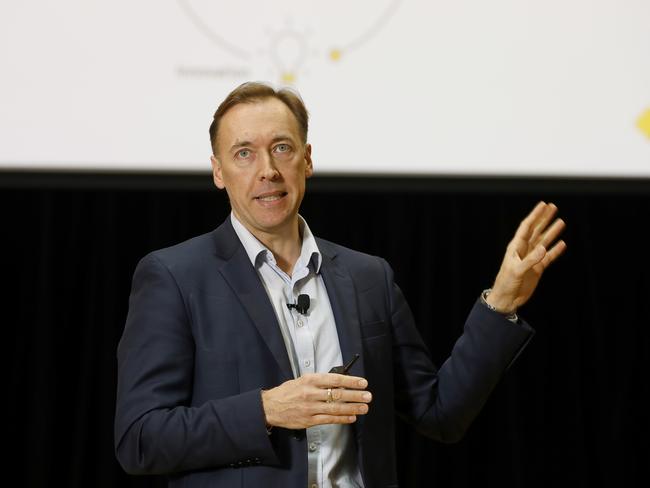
point(346, 368)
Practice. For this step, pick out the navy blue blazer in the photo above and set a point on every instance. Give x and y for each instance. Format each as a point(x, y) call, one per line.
point(202, 339)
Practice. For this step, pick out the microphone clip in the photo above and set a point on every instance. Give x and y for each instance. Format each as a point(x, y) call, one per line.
point(301, 305)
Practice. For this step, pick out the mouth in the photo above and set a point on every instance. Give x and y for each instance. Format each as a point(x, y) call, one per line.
point(271, 196)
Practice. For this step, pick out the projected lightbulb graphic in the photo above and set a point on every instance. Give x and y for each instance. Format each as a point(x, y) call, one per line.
point(289, 34)
point(288, 52)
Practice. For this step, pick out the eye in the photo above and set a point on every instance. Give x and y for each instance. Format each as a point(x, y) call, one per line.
point(243, 153)
point(282, 148)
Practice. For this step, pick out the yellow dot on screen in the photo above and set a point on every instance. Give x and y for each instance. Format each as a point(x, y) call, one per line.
point(335, 54)
point(643, 123)
point(288, 77)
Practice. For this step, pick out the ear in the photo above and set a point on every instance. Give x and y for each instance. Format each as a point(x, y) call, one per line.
point(309, 168)
point(217, 177)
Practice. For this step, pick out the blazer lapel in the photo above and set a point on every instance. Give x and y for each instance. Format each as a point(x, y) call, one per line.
point(240, 274)
point(343, 298)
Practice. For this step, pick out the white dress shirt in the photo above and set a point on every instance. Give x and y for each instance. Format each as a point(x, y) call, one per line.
point(312, 344)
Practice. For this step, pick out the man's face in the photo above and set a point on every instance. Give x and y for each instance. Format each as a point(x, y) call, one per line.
point(262, 163)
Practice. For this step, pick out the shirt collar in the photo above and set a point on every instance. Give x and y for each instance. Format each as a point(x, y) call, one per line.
point(309, 252)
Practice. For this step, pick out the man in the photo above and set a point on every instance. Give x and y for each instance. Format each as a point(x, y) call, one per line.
point(223, 371)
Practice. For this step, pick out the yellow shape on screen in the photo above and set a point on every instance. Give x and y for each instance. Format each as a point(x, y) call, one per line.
point(643, 123)
point(288, 77)
point(335, 54)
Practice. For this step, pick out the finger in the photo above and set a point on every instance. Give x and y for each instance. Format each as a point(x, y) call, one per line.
point(534, 257)
point(525, 229)
point(553, 231)
point(332, 419)
point(334, 380)
point(540, 226)
point(353, 396)
point(340, 408)
point(554, 253)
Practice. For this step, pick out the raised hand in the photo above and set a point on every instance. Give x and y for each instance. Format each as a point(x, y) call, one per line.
point(528, 254)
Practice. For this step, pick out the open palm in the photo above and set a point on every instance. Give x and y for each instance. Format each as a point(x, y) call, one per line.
point(528, 255)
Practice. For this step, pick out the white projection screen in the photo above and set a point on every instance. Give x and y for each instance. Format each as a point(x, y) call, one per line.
point(416, 87)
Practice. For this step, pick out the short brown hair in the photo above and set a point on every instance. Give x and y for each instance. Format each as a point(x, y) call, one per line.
point(251, 92)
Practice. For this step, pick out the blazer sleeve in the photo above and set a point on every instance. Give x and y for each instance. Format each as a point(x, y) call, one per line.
point(157, 429)
point(442, 403)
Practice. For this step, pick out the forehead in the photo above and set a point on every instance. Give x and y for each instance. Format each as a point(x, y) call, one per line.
point(256, 121)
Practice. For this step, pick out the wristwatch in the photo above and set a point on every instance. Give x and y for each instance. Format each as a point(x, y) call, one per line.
point(512, 316)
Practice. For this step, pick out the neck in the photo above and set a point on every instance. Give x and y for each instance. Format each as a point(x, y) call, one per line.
point(285, 245)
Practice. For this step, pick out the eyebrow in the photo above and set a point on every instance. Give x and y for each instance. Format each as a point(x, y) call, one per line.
point(278, 138)
point(240, 144)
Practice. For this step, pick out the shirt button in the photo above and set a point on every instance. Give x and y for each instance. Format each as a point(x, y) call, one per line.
point(312, 446)
point(300, 323)
point(307, 362)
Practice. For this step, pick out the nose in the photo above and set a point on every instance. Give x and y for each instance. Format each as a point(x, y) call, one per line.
point(268, 170)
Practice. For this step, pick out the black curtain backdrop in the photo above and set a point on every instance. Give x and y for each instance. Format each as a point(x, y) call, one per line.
point(572, 409)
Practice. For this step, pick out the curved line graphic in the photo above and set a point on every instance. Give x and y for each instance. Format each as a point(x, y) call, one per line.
point(350, 46)
point(374, 28)
point(207, 30)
